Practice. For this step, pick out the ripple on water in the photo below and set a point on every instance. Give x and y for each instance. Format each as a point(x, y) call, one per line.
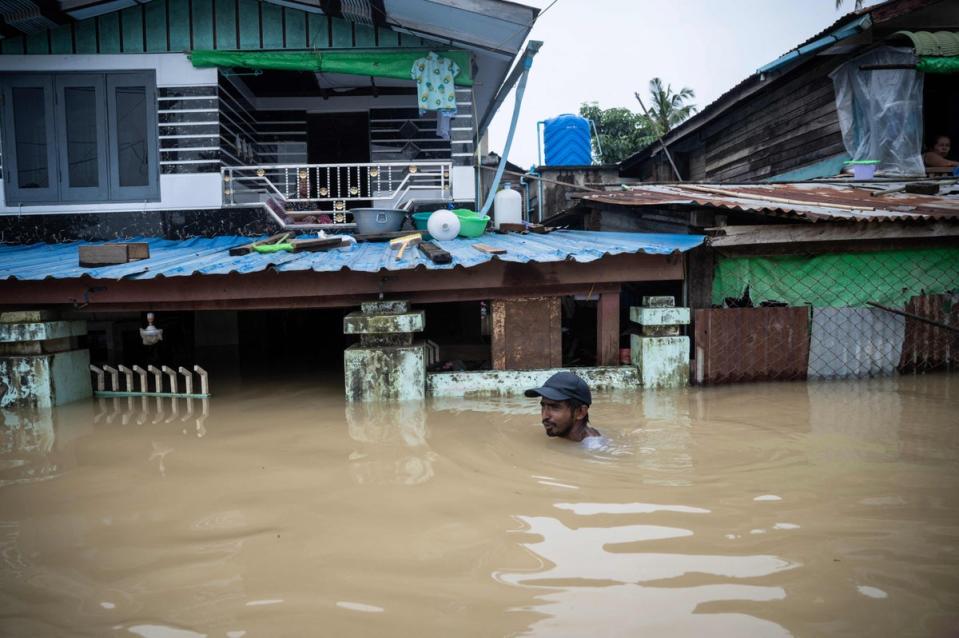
point(589, 509)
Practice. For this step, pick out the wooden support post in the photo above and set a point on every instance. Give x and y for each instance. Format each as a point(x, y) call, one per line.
point(607, 329)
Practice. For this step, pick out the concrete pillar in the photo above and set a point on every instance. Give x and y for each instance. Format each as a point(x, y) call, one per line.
point(41, 365)
point(661, 354)
point(387, 363)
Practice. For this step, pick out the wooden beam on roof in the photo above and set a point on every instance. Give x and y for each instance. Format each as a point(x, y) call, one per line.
point(768, 234)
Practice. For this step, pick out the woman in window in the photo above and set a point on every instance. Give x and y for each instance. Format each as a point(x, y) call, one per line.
point(937, 155)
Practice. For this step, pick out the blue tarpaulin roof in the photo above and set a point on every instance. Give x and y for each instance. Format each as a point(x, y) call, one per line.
point(210, 255)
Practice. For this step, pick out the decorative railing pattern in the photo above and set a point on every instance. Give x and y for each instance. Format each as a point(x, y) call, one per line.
point(336, 188)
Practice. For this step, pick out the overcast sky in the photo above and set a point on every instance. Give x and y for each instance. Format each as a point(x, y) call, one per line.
point(603, 50)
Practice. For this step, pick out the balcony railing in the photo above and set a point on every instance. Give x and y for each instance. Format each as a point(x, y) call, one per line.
point(329, 191)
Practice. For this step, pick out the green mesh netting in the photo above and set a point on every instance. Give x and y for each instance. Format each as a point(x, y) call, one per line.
point(380, 64)
point(839, 280)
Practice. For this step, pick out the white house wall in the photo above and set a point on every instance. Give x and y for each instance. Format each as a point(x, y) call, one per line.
point(189, 177)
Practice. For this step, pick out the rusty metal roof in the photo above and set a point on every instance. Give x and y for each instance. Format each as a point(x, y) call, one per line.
point(807, 201)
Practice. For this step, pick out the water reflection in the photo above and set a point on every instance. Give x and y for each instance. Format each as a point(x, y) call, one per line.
point(580, 563)
point(392, 438)
point(154, 410)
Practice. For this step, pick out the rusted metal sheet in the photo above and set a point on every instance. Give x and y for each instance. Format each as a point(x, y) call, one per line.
point(809, 201)
point(927, 347)
point(751, 344)
point(526, 333)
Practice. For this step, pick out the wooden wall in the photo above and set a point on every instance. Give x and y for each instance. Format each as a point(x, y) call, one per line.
point(789, 124)
point(161, 26)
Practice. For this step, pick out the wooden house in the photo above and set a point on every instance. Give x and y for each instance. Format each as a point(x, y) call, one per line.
point(787, 122)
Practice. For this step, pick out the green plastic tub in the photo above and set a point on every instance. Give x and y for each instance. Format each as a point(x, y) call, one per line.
point(472, 224)
point(419, 223)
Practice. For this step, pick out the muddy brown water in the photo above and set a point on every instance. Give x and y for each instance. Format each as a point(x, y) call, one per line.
point(827, 509)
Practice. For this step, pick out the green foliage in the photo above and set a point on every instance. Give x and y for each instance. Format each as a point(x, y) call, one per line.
point(668, 109)
point(621, 132)
point(858, 4)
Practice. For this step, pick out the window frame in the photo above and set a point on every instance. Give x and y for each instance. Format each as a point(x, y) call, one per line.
point(108, 189)
point(12, 189)
point(151, 189)
point(70, 193)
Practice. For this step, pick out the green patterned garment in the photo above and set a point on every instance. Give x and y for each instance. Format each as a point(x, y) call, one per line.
point(434, 83)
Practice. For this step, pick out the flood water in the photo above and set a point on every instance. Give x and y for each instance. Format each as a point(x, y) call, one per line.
point(828, 509)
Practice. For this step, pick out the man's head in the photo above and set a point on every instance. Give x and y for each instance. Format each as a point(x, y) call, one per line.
point(942, 145)
point(564, 401)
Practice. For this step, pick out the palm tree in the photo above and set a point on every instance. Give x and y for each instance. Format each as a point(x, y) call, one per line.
point(839, 4)
point(668, 109)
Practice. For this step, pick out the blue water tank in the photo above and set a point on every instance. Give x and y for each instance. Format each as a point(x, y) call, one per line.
point(567, 141)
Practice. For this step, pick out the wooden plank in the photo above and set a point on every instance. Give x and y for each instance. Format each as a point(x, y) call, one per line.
point(490, 250)
point(387, 37)
point(318, 29)
point(526, 333)
point(179, 26)
point(131, 25)
point(607, 329)
point(342, 33)
point(38, 43)
point(110, 254)
point(14, 46)
point(272, 18)
point(364, 36)
point(436, 254)
point(315, 245)
point(202, 24)
point(816, 233)
point(154, 14)
point(225, 24)
point(381, 236)
point(108, 33)
point(295, 24)
point(61, 40)
point(137, 250)
point(249, 16)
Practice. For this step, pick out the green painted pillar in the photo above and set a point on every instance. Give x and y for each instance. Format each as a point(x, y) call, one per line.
point(41, 363)
point(386, 364)
point(661, 354)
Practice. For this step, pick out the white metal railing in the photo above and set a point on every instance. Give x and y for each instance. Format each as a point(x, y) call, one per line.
point(333, 189)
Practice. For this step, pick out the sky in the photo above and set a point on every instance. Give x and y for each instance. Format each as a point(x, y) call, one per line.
point(604, 50)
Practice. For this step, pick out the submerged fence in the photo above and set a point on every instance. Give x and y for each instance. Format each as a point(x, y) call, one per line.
point(832, 316)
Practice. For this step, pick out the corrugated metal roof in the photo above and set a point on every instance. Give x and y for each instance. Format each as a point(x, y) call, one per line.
point(936, 43)
point(210, 256)
point(810, 201)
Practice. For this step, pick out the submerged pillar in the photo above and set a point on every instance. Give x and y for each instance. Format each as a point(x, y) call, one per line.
point(41, 363)
point(661, 354)
point(386, 364)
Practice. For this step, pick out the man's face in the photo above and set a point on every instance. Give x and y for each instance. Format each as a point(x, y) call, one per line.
point(558, 416)
point(943, 145)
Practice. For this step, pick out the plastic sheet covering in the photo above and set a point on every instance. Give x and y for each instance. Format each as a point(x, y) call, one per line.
point(880, 111)
point(929, 64)
point(381, 64)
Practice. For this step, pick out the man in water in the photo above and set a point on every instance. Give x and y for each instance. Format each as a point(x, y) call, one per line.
point(564, 406)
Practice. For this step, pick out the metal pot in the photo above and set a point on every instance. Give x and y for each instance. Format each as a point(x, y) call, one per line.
point(370, 221)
